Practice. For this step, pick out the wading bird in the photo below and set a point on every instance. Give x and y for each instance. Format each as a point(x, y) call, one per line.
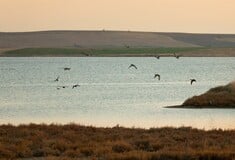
point(192, 80)
point(132, 65)
point(157, 75)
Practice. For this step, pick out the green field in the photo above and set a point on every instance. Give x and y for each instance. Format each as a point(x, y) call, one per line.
point(29, 52)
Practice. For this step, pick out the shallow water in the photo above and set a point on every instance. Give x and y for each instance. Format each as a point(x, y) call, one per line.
point(110, 93)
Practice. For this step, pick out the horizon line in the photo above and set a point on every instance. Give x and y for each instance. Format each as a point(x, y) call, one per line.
point(107, 30)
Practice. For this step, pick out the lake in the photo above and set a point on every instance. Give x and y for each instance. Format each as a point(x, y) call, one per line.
point(110, 93)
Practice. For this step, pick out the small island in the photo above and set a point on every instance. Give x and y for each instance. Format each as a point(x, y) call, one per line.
point(218, 97)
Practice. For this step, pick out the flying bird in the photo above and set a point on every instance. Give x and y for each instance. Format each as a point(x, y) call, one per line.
point(158, 57)
point(86, 54)
point(176, 56)
point(59, 87)
point(67, 68)
point(132, 65)
point(157, 75)
point(76, 85)
point(57, 79)
point(192, 80)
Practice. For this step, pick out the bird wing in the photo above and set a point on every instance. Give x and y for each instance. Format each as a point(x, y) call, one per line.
point(132, 65)
point(157, 75)
point(192, 80)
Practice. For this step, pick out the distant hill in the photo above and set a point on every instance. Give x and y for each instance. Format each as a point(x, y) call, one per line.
point(205, 40)
point(111, 39)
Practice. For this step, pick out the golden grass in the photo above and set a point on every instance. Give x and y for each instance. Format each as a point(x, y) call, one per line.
point(74, 141)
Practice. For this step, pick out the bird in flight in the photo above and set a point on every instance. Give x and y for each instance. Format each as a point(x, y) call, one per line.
point(67, 68)
point(59, 87)
point(132, 65)
point(157, 75)
point(192, 80)
point(158, 57)
point(176, 56)
point(76, 85)
point(57, 79)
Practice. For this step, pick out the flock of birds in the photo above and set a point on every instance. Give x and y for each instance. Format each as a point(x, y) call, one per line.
point(57, 80)
point(155, 76)
point(158, 75)
point(131, 66)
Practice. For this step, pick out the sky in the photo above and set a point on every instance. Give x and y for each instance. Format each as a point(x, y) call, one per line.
point(192, 16)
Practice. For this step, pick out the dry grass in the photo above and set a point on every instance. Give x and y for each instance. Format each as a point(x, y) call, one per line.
point(222, 96)
point(118, 143)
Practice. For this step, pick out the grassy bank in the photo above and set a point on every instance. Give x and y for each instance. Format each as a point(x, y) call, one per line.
point(117, 143)
point(74, 52)
point(218, 97)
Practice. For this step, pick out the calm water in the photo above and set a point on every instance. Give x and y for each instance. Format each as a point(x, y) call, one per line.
point(110, 93)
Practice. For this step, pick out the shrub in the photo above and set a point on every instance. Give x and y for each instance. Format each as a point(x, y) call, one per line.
point(121, 147)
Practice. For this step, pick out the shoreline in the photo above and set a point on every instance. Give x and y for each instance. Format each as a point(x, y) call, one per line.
point(199, 107)
point(117, 52)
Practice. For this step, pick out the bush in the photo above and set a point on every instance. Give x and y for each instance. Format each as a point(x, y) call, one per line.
point(121, 147)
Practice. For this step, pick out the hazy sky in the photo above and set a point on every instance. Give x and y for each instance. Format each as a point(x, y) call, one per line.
point(206, 16)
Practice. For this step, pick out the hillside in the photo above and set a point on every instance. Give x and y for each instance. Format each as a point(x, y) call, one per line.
point(94, 39)
point(205, 40)
point(114, 43)
point(112, 39)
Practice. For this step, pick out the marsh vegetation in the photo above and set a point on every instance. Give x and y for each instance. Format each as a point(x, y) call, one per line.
point(74, 141)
